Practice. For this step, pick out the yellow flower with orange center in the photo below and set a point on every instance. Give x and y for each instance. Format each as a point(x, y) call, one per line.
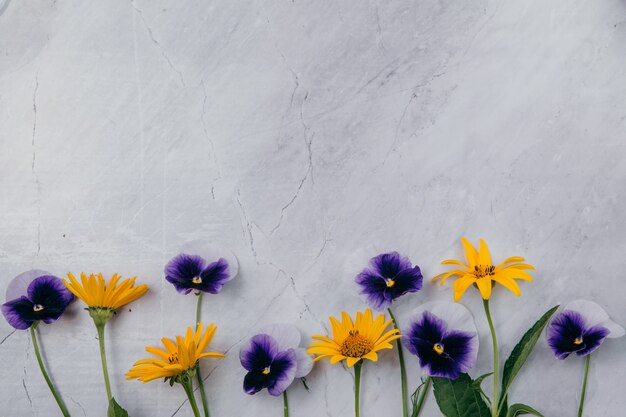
point(354, 341)
point(481, 272)
point(178, 357)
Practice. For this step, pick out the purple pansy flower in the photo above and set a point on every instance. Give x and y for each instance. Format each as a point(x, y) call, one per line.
point(388, 276)
point(273, 359)
point(444, 338)
point(580, 328)
point(201, 267)
point(35, 296)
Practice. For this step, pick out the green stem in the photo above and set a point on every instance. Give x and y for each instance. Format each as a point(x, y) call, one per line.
point(420, 402)
point(205, 406)
point(188, 387)
point(103, 357)
point(55, 394)
point(357, 387)
point(582, 395)
point(198, 309)
point(494, 341)
point(285, 404)
point(405, 410)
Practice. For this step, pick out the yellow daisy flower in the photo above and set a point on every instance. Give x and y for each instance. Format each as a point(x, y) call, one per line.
point(95, 292)
point(483, 274)
point(179, 357)
point(354, 341)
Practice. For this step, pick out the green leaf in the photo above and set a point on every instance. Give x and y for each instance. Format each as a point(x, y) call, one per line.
point(519, 409)
point(504, 407)
point(478, 381)
point(115, 410)
point(459, 398)
point(521, 352)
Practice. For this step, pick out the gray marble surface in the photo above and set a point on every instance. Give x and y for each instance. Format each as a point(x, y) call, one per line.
point(296, 134)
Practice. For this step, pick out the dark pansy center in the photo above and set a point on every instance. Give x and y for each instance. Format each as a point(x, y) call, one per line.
point(37, 307)
point(438, 348)
point(197, 280)
point(390, 283)
point(481, 271)
point(578, 340)
point(355, 345)
point(266, 371)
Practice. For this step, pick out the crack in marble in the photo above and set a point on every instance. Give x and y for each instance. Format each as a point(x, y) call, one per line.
point(34, 160)
point(7, 336)
point(158, 45)
point(294, 74)
point(210, 140)
point(78, 404)
point(309, 172)
point(379, 31)
point(248, 227)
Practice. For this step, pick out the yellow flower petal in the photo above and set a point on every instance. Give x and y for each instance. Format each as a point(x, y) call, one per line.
point(178, 357)
point(354, 340)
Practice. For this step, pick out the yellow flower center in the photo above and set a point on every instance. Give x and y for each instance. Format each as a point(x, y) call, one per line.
point(481, 271)
point(266, 371)
point(578, 341)
point(37, 307)
point(173, 358)
point(355, 345)
point(197, 280)
point(437, 347)
point(390, 283)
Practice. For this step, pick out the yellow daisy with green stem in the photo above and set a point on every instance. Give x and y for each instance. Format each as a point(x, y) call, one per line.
point(483, 274)
point(355, 341)
point(103, 299)
point(178, 362)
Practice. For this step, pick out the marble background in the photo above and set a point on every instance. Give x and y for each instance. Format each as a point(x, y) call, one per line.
point(298, 134)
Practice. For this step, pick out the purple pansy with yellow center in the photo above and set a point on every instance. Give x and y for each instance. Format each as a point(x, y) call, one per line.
point(192, 272)
point(444, 338)
point(388, 276)
point(580, 328)
point(35, 296)
point(201, 267)
point(273, 359)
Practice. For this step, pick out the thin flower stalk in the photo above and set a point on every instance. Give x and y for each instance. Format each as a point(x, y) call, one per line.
point(53, 390)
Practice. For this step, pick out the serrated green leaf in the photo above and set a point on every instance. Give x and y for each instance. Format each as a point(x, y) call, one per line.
point(521, 352)
point(519, 409)
point(459, 398)
point(115, 410)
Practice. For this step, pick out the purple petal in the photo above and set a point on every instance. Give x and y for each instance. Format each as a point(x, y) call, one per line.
point(458, 348)
point(388, 265)
point(254, 382)
point(182, 270)
point(592, 339)
point(259, 353)
point(282, 372)
point(287, 335)
point(46, 300)
point(19, 313)
point(19, 285)
point(383, 282)
point(374, 287)
point(214, 276)
point(564, 329)
point(49, 291)
point(423, 333)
